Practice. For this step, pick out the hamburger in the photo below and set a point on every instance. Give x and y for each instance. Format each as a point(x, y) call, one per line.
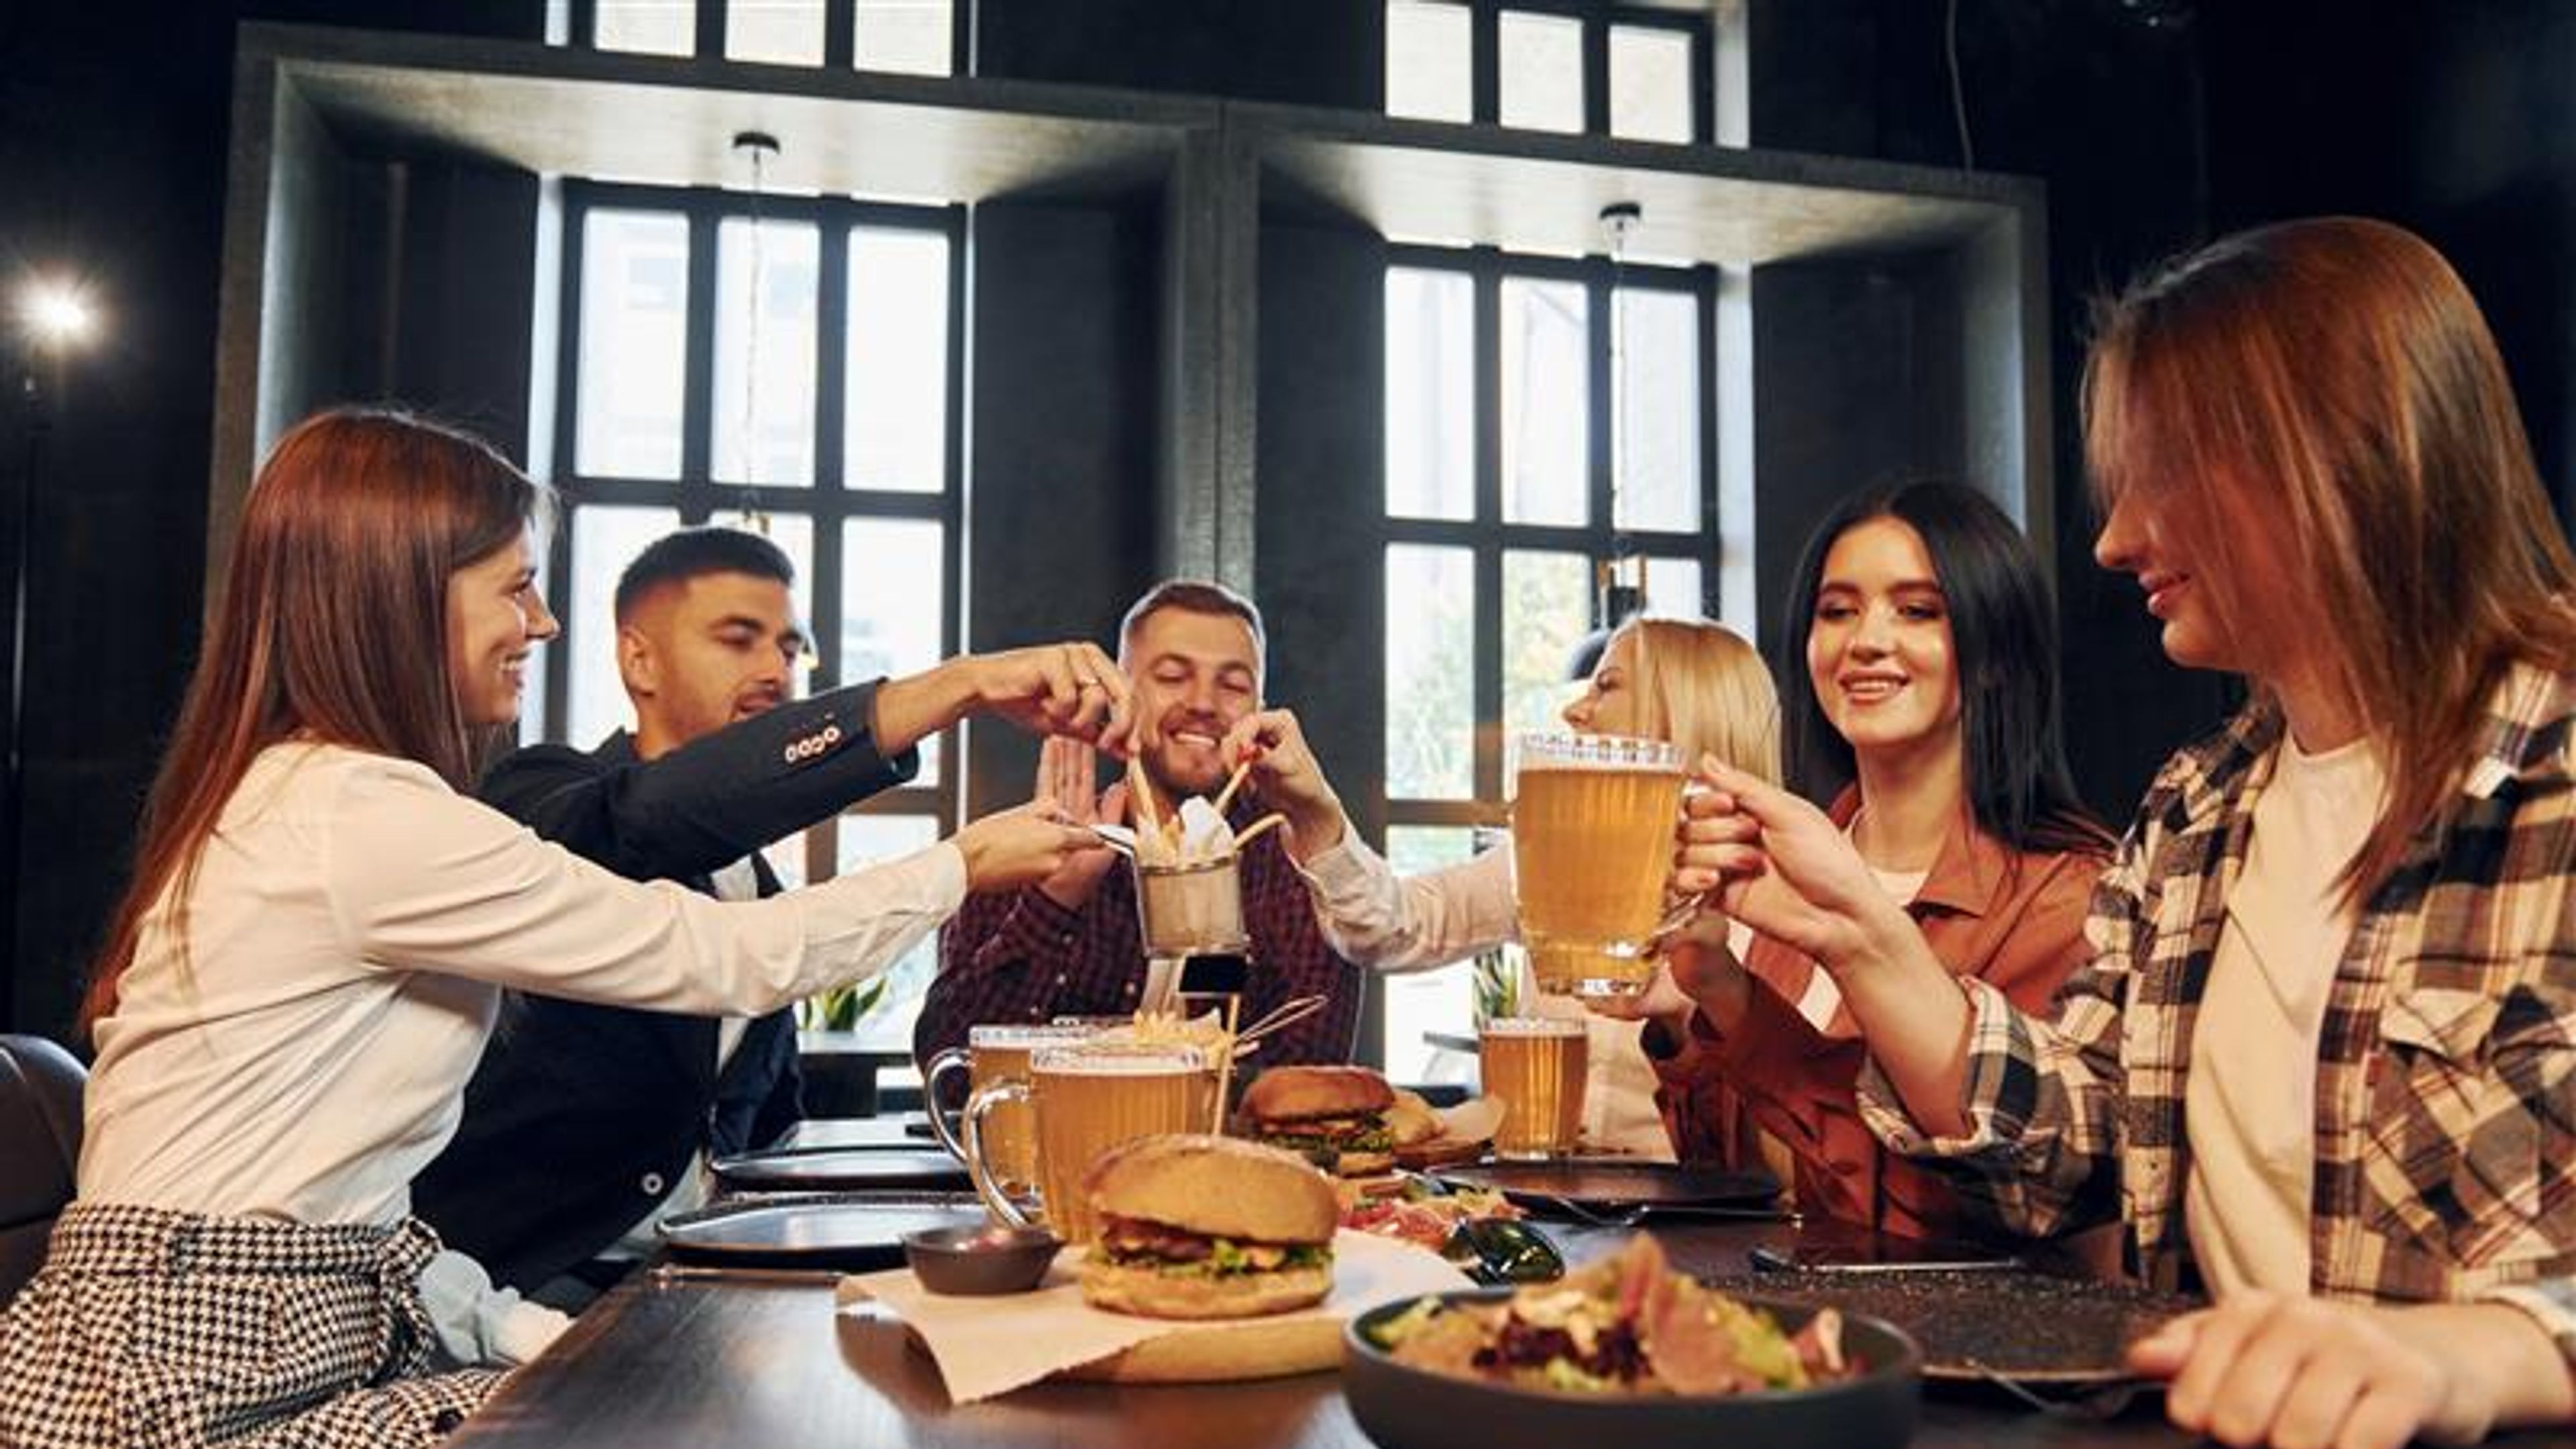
point(1207, 1227)
point(1335, 1117)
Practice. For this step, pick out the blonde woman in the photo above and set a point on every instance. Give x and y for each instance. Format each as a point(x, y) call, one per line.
point(1689, 681)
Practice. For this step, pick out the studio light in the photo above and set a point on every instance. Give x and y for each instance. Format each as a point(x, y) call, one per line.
point(56, 314)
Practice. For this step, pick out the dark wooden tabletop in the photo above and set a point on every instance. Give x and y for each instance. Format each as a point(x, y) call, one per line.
point(740, 1362)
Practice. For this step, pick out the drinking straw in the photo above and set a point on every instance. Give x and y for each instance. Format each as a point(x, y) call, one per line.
point(1225, 1065)
point(1146, 814)
point(1270, 821)
point(1233, 783)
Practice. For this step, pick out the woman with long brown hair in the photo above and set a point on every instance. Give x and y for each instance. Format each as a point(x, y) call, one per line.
point(2321, 1060)
point(303, 972)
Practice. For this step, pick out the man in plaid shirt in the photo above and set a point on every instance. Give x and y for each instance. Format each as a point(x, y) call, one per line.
point(1070, 945)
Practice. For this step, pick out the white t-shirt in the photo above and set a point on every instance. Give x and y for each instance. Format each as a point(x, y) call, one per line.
point(351, 926)
point(2249, 1106)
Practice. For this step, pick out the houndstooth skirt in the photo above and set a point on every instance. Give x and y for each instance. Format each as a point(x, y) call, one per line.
point(150, 1329)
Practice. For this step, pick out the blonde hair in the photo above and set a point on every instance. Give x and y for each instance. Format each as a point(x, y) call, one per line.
point(1701, 686)
point(2319, 412)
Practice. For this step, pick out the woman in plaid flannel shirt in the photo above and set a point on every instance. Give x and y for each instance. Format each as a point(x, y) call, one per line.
point(2313, 465)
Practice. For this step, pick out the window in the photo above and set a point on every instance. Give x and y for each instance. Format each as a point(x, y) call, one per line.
point(1576, 66)
point(794, 372)
point(1544, 416)
point(918, 37)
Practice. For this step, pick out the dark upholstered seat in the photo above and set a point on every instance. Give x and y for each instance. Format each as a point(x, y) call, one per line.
point(40, 1134)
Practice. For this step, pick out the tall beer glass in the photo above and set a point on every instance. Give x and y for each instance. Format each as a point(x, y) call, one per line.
point(1089, 1098)
point(997, 1052)
point(1592, 846)
point(1536, 1065)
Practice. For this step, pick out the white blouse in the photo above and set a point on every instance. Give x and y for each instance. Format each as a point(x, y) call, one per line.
point(351, 926)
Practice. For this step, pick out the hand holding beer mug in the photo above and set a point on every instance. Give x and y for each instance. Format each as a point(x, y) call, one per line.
point(1592, 850)
point(1536, 1066)
point(1088, 1097)
point(998, 1052)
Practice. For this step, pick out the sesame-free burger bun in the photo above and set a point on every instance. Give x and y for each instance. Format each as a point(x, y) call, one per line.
point(1220, 1187)
point(1296, 1094)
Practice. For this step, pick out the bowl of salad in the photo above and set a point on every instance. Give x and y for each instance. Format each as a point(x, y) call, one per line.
point(1626, 1353)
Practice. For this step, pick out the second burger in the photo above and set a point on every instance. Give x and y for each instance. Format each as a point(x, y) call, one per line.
point(1334, 1117)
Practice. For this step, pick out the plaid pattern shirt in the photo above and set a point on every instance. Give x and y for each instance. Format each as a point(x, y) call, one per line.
point(2446, 1079)
point(1020, 957)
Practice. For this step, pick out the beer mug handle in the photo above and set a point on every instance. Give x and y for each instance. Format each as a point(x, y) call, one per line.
point(987, 1185)
point(949, 1060)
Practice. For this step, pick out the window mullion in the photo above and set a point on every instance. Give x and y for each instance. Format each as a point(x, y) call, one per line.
point(1488, 570)
point(1601, 383)
point(697, 391)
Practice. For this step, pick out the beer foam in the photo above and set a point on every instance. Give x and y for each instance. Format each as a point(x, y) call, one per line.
point(1532, 1026)
point(1076, 1061)
point(1560, 751)
point(1015, 1034)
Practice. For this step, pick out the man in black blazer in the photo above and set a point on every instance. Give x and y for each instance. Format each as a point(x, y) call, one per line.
point(584, 1124)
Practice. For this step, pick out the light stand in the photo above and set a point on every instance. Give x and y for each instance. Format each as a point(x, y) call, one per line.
point(53, 319)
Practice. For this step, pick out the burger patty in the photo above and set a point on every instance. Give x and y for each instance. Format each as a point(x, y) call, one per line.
point(1140, 1243)
point(1342, 1134)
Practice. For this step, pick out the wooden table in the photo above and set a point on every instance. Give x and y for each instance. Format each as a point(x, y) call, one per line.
point(736, 1363)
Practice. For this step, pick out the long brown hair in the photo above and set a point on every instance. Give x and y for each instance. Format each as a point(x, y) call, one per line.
point(333, 625)
point(2321, 414)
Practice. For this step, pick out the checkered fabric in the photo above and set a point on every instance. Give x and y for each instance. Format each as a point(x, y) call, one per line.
point(2446, 1078)
point(151, 1329)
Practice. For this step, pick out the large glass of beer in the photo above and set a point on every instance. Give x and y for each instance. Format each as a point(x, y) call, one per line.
point(1089, 1097)
point(1592, 846)
point(997, 1052)
point(1535, 1066)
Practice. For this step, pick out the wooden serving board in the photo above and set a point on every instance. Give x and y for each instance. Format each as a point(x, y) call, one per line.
point(1242, 1348)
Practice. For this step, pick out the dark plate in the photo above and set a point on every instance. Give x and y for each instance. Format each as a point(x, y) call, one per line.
point(1590, 1188)
point(852, 1234)
point(1402, 1407)
point(1980, 1324)
point(832, 1134)
point(843, 1170)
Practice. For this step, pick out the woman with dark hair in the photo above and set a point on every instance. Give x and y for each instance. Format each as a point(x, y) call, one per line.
point(1921, 698)
point(2323, 1057)
point(302, 974)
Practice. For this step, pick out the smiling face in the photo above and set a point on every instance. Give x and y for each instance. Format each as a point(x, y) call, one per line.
point(699, 653)
point(1879, 649)
point(1609, 704)
point(2143, 538)
point(1195, 674)
point(495, 616)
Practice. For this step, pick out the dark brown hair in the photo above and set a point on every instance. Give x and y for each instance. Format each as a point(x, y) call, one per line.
point(333, 626)
point(2319, 413)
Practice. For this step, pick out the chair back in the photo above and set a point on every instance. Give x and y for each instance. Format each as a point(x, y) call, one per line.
point(40, 1136)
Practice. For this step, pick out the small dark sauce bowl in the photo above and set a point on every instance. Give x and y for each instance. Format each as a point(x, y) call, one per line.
point(980, 1262)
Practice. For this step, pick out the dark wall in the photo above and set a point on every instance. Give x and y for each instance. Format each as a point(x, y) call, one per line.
point(113, 125)
point(1060, 443)
point(1321, 459)
point(2457, 120)
point(2158, 124)
point(2105, 109)
point(1855, 382)
point(1310, 52)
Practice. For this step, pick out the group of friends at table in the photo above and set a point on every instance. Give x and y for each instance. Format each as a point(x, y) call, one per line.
point(400, 1059)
